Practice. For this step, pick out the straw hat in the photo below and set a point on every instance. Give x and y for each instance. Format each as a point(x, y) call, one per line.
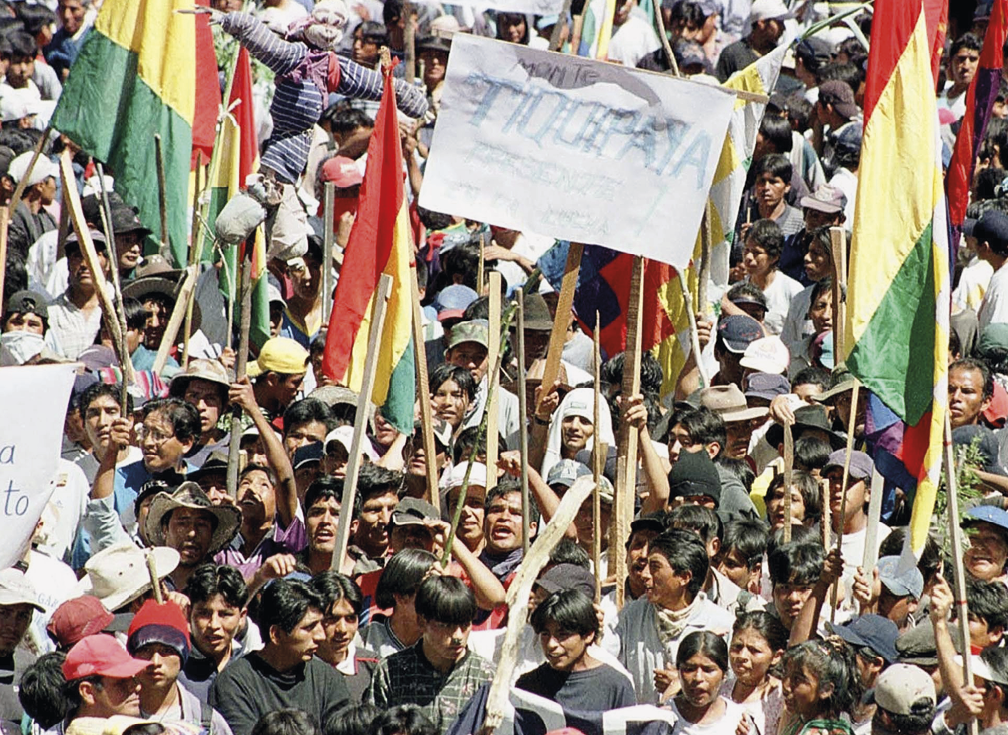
point(189, 495)
point(118, 575)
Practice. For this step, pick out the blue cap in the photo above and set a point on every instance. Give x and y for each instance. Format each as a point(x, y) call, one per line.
point(307, 455)
point(861, 464)
point(988, 514)
point(452, 301)
point(738, 331)
point(766, 386)
point(992, 228)
point(848, 137)
point(870, 631)
point(900, 582)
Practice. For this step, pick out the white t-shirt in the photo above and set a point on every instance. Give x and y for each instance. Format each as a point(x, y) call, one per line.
point(994, 307)
point(973, 284)
point(779, 294)
point(726, 725)
point(633, 40)
point(846, 182)
point(956, 105)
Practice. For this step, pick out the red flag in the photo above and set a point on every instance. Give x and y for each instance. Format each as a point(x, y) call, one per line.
point(208, 95)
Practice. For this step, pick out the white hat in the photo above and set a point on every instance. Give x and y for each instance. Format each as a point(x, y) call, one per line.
point(343, 435)
point(768, 10)
point(118, 575)
point(42, 170)
point(766, 355)
point(902, 688)
point(17, 104)
point(15, 589)
point(478, 476)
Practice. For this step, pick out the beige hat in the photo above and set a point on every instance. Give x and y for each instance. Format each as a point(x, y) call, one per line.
point(15, 589)
point(118, 575)
point(767, 355)
point(728, 402)
point(209, 370)
point(189, 495)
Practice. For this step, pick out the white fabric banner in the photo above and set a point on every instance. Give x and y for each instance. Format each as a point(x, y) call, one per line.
point(526, 7)
point(575, 149)
point(33, 402)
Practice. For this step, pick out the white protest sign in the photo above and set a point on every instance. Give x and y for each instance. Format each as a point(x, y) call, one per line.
point(527, 7)
point(33, 403)
point(575, 149)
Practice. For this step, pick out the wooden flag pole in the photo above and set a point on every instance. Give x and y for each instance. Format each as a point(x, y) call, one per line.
point(153, 574)
point(694, 337)
point(824, 519)
point(162, 194)
point(565, 305)
point(176, 318)
point(555, 37)
point(409, 43)
point(360, 419)
point(423, 394)
point(870, 556)
point(788, 479)
point(842, 520)
point(4, 223)
point(663, 37)
point(599, 450)
point(327, 251)
point(480, 267)
point(523, 435)
point(838, 245)
point(703, 276)
point(244, 299)
point(626, 462)
point(493, 380)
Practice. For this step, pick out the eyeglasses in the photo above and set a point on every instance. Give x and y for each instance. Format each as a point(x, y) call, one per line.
point(155, 435)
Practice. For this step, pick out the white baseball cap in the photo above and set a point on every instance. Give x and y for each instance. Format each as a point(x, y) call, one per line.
point(768, 10)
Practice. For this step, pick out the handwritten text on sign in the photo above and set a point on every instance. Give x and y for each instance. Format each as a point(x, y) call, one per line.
point(34, 400)
point(575, 149)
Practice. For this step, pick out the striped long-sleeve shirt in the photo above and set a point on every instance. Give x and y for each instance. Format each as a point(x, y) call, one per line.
point(302, 92)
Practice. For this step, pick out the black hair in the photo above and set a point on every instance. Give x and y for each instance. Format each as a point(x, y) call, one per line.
point(72, 696)
point(776, 131)
point(651, 375)
point(705, 643)
point(811, 453)
point(41, 690)
point(136, 313)
point(323, 488)
point(343, 119)
point(808, 488)
point(34, 17)
point(183, 417)
point(284, 603)
point(929, 563)
point(986, 182)
point(422, 273)
point(774, 164)
point(305, 411)
point(515, 18)
point(317, 346)
point(825, 286)
point(479, 308)
point(92, 392)
point(688, 13)
point(747, 289)
point(696, 518)
point(461, 261)
point(766, 234)
point(797, 562)
point(507, 486)
point(462, 377)
point(286, 722)
point(847, 73)
point(354, 719)
point(767, 625)
point(739, 468)
point(570, 609)
point(969, 41)
point(22, 44)
point(973, 363)
point(208, 580)
point(333, 587)
point(703, 426)
point(464, 443)
point(685, 552)
point(812, 375)
point(392, 11)
point(402, 575)
point(445, 600)
point(18, 140)
point(798, 111)
point(373, 32)
point(748, 538)
point(271, 475)
point(406, 719)
point(832, 663)
point(988, 601)
point(996, 658)
point(568, 551)
point(374, 480)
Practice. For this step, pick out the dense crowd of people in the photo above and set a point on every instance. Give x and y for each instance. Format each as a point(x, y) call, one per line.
point(759, 599)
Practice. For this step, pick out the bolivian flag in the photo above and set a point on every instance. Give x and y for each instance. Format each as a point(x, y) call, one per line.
point(381, 242)
point(134, 77)
point(899, 293)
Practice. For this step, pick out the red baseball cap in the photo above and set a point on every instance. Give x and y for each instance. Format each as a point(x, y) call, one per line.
point(77, 618)
point(101, 655)
point(342, 171)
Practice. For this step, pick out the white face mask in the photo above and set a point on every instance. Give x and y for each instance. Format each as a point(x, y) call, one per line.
point(17, 347)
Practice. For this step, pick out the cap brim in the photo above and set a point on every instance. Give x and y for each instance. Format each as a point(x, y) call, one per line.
point(847, 635)
point(762, 365)
point(834, 391)
point(820, 206)
point(450, 314)
point(126, 669)
point(747, 414)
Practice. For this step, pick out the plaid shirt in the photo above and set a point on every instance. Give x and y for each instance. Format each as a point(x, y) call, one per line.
point(408, 677)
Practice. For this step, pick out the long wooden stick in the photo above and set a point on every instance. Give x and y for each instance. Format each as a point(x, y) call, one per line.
point(558, 335)
point(4, 222)
point(523, 435)
point(195, 256)
point(626, 458)
point(842, 520)
point(825, 525)
point(788, 479)
point(154, 579)
point(599, 450)
point(176, 319)
point(327, 251)
point(162, 194)
point(555, 36)
point(360, 419)
point(703, 276)
point(838, 245)
point(663, 37)
point(244, 299)
point(409, 43)
point(23, 183)
point(694, 336)
point(870, 556)
point(423, 394)
point(493, 380)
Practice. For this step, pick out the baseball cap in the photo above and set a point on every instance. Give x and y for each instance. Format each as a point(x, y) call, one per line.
point(15, 589)
point(987, 514)
point(100, 655)
point(306, 455)
point(814, 52)
point(342, 171)
point(870, 631)
point(42, 170)
point(567, 577)
point(738, 331)
point(766, 386)
point(413, 512)
point(992, 227)
point(903, 689)
point(768, 10)
point(825, 198)
point(77, 618)
point(900, 582)
point(839, 94)
point(451, 301)
point(861, 464)
point(17, 104)
point(279, 355)
point(72, 242)
point(25, 302)
point(565, 472)
point(988, 669)
point(848, 137)
point(163, 623)
point(477, 477)
point(917, 645)
point(477, 330)
point(656, 521)
point(694, 473)
point(766, 355)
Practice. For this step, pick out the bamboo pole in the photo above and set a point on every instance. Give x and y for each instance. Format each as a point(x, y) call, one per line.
point(244, 298)
point(523, 436)
point(838, 245)
point(555, 37)
point(493, 380)
point(360, 420)
point(409, 43)
point(870, 557)
point(23, 183)
point(599, 450)
point(327, 250)
point(154, 579)
point(842, 520)
point(565, 305)
point(176, 319)
point(788, 479)
point(423, 393)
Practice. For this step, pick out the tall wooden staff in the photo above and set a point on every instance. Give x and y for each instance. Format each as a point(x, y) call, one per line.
point(523, 412)
point(245, 299)
point(599, 451)
point(564, 308)
point(493, 380)
point(842, 520)
point(423, 394)
point(788, 479)
point(327, 249)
